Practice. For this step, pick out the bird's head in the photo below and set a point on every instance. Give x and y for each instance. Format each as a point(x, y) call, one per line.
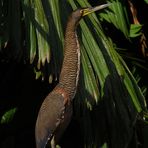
point(79, 13)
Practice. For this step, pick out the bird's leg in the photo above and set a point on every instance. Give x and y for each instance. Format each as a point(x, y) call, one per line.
point(53, 143)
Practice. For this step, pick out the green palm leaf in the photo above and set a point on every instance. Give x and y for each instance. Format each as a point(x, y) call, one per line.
point(113, 76)
point(108, 99)
point(117, 15)
point(8, 116)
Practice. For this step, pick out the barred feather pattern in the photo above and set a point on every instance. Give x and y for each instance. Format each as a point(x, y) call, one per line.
point(56, 110)
point(71, 65)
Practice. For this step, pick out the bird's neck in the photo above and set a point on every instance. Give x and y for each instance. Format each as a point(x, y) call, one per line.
point(71, 64)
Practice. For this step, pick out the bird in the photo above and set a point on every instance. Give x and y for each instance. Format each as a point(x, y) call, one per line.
point(56, 110)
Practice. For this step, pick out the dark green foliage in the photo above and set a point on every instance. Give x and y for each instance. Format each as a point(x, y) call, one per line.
point(109, 101)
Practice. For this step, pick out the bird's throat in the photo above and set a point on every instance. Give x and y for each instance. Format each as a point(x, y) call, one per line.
point(71, 64)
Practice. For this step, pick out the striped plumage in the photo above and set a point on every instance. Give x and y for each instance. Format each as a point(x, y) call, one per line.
point(57, 106)
point(56, 110)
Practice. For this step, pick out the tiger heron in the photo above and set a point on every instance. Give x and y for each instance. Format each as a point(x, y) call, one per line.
point(56, 110)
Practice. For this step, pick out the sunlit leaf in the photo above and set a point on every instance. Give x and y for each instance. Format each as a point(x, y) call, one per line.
point(104, 145)
point(146, 1)
point(109, 99)
point(38, 74)
point(118, 86)
point(135, 30)
point(8, 116)
point(117, 15)
point(56, 37)
point(42, 31)
point(92, 91)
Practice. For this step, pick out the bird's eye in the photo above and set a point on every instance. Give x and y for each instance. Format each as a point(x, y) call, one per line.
point(86, 11)
point(81, 12)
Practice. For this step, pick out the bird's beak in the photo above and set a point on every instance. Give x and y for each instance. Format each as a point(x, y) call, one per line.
point(93, 9)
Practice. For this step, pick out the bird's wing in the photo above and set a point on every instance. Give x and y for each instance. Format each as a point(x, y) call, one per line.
point(50, 116)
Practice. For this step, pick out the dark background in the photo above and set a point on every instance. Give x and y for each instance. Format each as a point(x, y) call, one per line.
point(18, 88)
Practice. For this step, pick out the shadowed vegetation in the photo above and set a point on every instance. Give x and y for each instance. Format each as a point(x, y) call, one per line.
point(110, 107)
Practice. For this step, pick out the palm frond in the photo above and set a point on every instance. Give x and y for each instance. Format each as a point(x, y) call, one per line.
point(109, 99)
point(117, 15)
